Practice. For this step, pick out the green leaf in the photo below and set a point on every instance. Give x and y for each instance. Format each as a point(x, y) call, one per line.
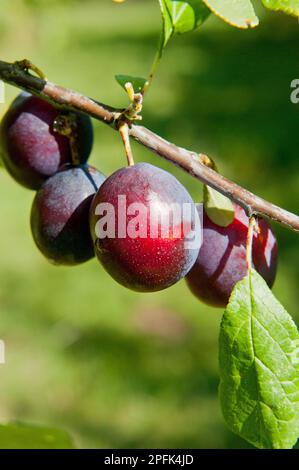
point(239, 13)
point(181, 17)
point(259, 366)
point(23, 436)
point(219, 208)
point(290, 7)
point(137, 82)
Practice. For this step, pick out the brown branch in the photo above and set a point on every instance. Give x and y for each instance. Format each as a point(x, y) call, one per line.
point(191, 162)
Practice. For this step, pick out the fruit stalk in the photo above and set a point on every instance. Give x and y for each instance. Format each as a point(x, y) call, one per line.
point(249, 242)
point(187, 160)
point(124, 133)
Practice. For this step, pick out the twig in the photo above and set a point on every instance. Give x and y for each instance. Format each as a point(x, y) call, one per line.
point(189, 161)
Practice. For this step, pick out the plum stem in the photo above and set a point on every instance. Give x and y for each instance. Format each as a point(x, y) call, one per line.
point(124, 133)
point(66, 124)
point(187, 160)
point(249, 241)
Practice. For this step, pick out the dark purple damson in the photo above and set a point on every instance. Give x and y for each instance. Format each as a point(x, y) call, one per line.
point(30, 148)
point(144, 263)
point(60, 215)
point(221, 262)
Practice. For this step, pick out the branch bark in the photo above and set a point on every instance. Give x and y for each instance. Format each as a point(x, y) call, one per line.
point(191, 162)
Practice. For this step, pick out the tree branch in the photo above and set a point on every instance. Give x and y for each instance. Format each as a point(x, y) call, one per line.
point(191, 162)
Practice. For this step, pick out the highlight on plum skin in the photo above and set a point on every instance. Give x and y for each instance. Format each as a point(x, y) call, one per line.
point(221, 262)
point(31, 149)
point(60, 215)
point(145, 263)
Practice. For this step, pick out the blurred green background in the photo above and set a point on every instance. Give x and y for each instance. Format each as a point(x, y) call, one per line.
point(115, 368)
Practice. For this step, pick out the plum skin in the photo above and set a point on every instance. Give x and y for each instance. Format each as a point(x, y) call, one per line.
point(151, 263)
point(221, 262)
point(30, 148)
point(60, 215)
